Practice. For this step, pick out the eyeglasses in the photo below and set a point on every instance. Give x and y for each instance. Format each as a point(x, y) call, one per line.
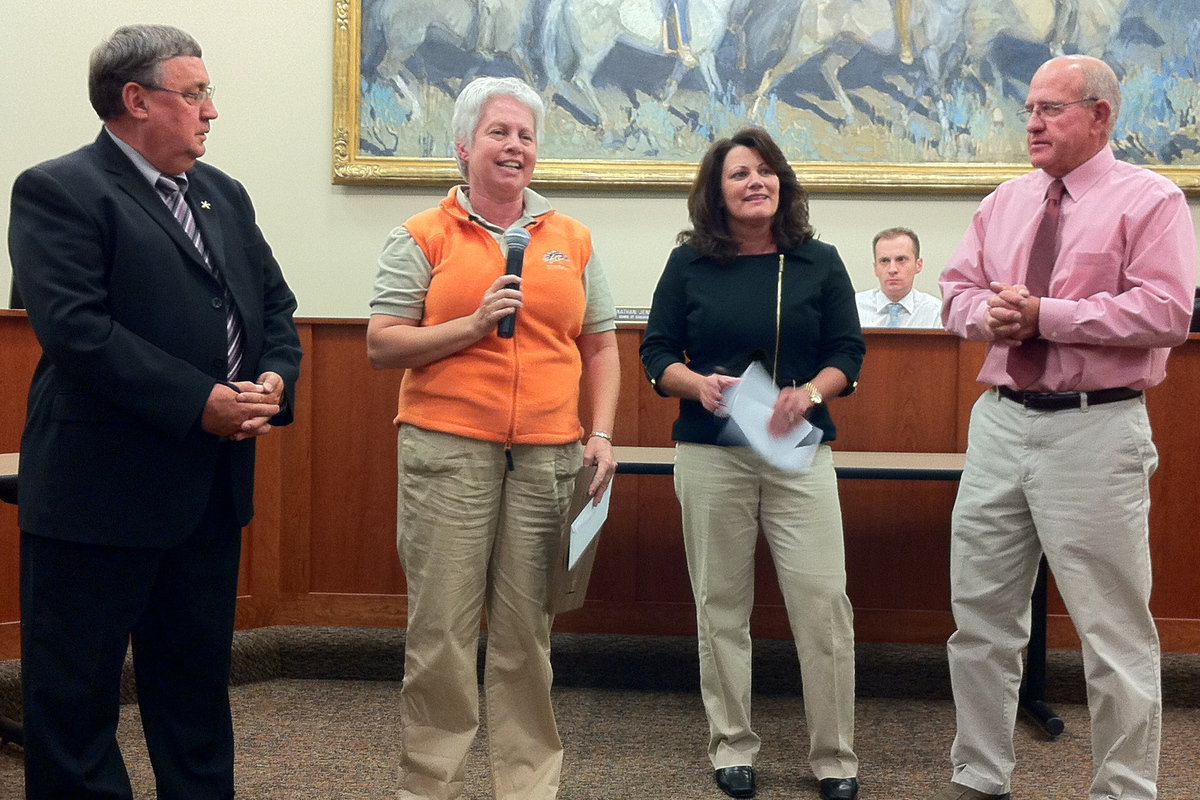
point(1051, 110)
point(192, 98)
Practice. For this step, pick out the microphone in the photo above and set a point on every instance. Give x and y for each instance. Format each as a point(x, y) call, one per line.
point(515, 242)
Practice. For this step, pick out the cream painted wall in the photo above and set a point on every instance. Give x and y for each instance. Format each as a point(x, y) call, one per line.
point(271, 63)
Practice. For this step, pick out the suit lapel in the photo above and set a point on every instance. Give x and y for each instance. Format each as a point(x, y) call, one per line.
point(208, 219)
point(134, 184)
point(206, 212)
point(215, 214)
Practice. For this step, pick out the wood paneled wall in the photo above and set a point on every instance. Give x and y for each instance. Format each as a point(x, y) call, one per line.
point(321, 548)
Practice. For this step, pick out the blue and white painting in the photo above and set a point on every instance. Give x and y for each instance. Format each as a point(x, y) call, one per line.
point(845, 81)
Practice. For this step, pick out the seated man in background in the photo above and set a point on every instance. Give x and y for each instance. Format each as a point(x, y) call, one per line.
point(896, 304)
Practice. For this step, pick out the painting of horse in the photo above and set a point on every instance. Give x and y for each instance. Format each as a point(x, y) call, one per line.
point(895, 93)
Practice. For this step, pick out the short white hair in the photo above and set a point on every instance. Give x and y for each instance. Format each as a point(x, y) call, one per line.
point(468, 109)
point(1098, 79)
point(1101, 82)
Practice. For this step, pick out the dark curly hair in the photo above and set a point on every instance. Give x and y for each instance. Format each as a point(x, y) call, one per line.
point(710, 233)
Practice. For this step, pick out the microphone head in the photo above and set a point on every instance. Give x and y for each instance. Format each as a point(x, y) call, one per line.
point(516, 238)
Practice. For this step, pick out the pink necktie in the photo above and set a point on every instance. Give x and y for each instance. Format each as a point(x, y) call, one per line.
point(1027, 362)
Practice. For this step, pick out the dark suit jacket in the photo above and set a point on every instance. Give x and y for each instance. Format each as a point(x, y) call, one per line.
point(132, 330)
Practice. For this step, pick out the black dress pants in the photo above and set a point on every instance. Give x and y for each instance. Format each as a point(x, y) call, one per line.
point(81, 607)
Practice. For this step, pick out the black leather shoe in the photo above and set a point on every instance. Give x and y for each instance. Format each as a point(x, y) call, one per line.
point(736, 781)
point(839, 788)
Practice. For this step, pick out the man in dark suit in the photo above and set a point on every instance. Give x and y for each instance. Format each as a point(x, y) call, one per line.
point(168, 348)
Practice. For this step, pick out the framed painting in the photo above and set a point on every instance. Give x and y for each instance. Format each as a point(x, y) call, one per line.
point(863, 95)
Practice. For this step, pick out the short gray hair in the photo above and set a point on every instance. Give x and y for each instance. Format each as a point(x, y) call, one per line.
point(133, 54)
point(468, 108)
point(1097, 81)
point(1101, 82)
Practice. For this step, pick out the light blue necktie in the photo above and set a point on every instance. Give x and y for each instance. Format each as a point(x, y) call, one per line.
point(894, 315)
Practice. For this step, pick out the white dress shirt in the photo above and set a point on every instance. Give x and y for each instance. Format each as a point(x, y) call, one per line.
point(917, 310)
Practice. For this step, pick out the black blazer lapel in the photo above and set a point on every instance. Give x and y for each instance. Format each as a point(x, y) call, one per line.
point(133, 183)
point(220, 215)
point(206, 211)
point(213, 211)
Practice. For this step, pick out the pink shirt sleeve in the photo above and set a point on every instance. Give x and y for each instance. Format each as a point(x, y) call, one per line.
point(1155, 278)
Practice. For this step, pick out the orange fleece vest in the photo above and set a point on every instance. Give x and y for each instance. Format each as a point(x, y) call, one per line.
point(523, 390)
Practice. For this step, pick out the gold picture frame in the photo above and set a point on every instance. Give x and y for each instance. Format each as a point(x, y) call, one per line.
point(353, 165)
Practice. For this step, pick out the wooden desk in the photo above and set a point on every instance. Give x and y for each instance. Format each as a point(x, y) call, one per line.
point(10, 731)
point(858, 465)
point(322, 547)
point(8, 476)
point(849, 465)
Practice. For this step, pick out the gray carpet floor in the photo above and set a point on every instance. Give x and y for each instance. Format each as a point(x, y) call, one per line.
point(315, 717)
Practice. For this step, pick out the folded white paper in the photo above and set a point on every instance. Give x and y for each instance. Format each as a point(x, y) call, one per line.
point(750, 403)
point(586, 526)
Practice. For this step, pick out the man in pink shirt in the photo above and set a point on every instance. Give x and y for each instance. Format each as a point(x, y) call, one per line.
point(1059, 453)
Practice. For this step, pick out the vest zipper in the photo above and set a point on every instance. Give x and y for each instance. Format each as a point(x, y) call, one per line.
point(512, 420)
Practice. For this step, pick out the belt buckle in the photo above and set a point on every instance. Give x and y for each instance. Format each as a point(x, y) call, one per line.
point(1035, 401)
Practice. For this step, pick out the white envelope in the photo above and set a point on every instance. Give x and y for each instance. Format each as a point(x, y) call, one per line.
point(750, 404)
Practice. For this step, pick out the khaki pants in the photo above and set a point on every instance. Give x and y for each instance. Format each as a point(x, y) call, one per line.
point(726, 494)
point(472, 536)
point(1074, 484)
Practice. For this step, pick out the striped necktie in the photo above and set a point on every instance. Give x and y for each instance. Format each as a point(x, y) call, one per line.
point(172, 194)
point(1027, 361)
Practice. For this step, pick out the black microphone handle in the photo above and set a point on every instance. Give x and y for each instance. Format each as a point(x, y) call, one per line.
point(512, 266)
point(507, 326)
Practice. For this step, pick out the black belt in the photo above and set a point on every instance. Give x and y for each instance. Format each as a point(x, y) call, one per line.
point(1057, 401)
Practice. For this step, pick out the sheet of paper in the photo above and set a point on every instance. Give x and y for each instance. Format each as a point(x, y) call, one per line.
point(586, 526)
point(751, 403)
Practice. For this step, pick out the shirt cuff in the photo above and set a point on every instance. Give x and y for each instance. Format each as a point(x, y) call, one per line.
point(1054, 318)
